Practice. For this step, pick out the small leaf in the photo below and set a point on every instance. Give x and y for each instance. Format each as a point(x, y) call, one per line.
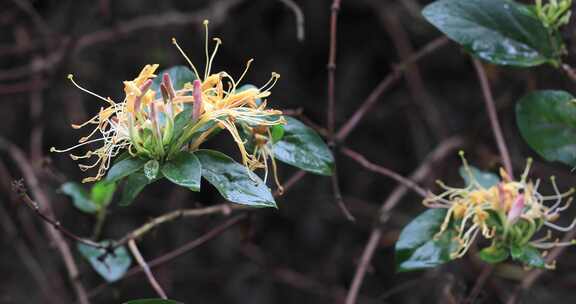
point(499, 31)
point(179, 75)
point(420, 247)
point(528, 255)
point(233, 180)
point(184, 170)
point(152, 301)
point(485, 179)
point(124, 168)
point(151, 169)
point(547, 121)
point(494, 254)
point(79, 197)
point(113, 266)
point(134, 184)
point(102, 193)
point(277, 132)
point(301, 147)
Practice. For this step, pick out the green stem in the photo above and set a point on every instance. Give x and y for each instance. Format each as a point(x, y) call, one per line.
point(100, 219)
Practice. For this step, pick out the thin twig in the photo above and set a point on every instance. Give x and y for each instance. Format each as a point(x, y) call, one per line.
point(28, 172)
point(384, 85)
point(177, 214)
point(493, 116)
point(331, 110)
point(360, 159)
point(213, 233)
point(482, 278)
point(151, 279)
point(569, 71)
point(443, 149)
point(299, 15)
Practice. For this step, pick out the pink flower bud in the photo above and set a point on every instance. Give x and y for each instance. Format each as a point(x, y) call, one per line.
point(167, 82)
point(197, 94)
point(516, 209)
point(143, 89)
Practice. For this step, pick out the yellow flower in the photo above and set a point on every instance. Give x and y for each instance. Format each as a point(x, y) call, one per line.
point(471, 209)
point(143, 123)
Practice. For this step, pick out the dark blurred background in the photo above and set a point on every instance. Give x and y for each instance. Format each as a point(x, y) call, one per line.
point(306, 251)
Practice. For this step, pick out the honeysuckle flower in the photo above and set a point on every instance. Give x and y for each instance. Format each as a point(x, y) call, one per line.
point(555, 13)
point(143, 122)
point(509, 213)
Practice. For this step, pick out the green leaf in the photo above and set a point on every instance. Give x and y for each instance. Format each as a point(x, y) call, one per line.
point(113, 266)
point(134, 184)
point(494, 254)
point(499, 31)
point(301, 147)
point(547, 121)
point(179, 75)
point(79, 197)
point(124, 168)
point(184, 170)
point(102, 193)
point(151, 169)
point(420, 247)
point(528, 255)
point(152, 301)
point(485, 179)
point(233, 180)
point(277, 133)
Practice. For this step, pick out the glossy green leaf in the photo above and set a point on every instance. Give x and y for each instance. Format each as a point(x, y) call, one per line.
point(134, 184)
point(184, 170)
point(179, 75)
point(102, 193)
point(485, 179)
point(499, 31)
point(80, 197)
point(301, 147)
point(233, 180)
point(547, 121)
point(111, 267)
point(420, 247)
point(124, 168)
point(528, 255)
point(494, 254)
point(152, 301)
point(151, 169)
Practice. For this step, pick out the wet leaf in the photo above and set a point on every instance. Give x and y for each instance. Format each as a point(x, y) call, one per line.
point(528, 255)
point(420, 247)
point(301, 147)
point(134, 184)
point(151, 169)
point(184, 170)
point(124, 168)
point(499, 31)
point(111, 267)
point(80, 197)
point(547, 121)
point(233, 181)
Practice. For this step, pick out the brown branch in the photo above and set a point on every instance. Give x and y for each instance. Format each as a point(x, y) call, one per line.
point(213, 233)
point(45, 207)
point(216, 12)
point(384, 85)
point(569, 71)
point(360, 159)
point(151, 279)
point(443, 149)
point(174, 215)
point(493, 116)
point(482, 278)
point(20, 189)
